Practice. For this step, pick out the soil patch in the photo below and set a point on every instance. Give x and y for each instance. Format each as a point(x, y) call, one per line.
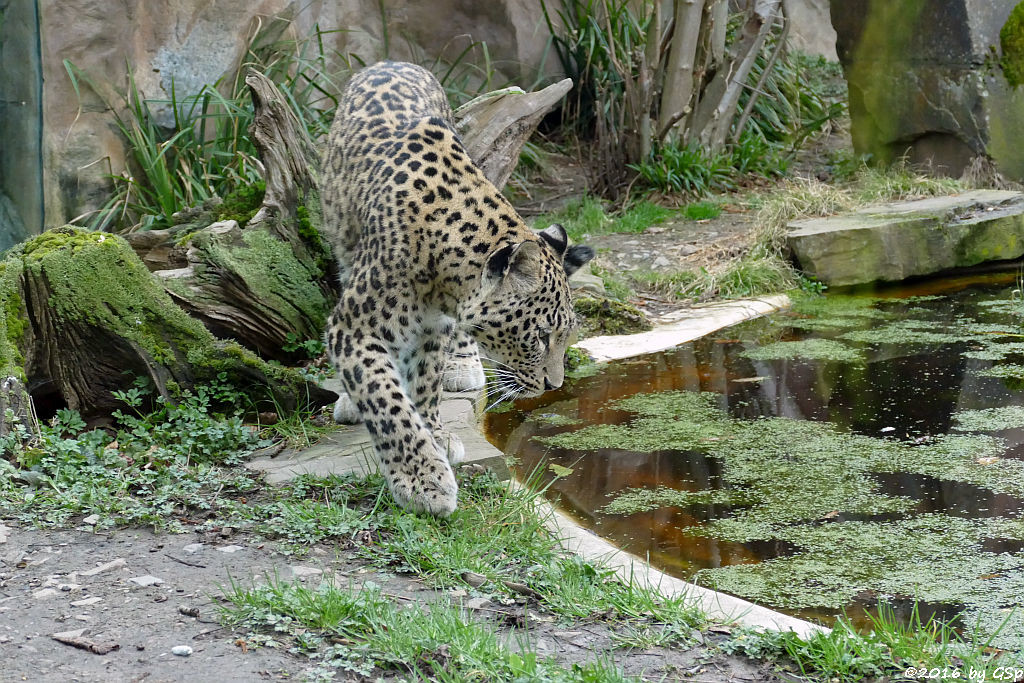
point(139, 597)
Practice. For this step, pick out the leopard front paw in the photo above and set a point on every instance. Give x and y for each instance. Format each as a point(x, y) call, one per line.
point(450, 444)
point(435, 493)
point(463, 374)
point(345, 411)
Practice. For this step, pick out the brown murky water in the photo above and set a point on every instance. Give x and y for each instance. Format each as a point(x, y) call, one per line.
point(903, 391)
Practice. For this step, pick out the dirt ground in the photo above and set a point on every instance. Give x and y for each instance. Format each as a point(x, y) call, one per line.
point(120, 601)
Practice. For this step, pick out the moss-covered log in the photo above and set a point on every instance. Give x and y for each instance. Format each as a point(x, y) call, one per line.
point(90, 318)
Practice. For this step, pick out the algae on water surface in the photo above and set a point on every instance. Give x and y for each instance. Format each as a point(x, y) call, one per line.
point(868, 498)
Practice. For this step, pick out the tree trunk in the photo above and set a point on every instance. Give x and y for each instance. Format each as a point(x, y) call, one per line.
point(85, 313)
point(679, 73)
point(712, 122)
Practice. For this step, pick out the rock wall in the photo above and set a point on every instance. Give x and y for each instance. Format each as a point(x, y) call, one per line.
point(924, 81)
point(57, 169)
point(811, 27)
point(189, 43)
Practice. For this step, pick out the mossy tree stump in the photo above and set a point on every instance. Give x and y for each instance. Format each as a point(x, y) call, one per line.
point(94, 318)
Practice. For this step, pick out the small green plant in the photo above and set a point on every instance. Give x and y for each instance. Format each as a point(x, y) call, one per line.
point(687, 169)
point(165, 456)
point(587, 217)
point(311, 347)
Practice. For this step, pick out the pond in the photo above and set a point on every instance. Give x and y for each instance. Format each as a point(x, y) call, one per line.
point(855, 450)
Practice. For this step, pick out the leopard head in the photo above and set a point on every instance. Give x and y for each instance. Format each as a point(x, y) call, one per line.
point(525, 321)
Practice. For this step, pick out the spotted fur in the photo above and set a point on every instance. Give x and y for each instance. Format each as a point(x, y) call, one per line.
point(429, 249)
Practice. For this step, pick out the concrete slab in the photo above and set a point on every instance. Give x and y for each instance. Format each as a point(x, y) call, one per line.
point(350, 449)
point(684, 326)
point(894, 241)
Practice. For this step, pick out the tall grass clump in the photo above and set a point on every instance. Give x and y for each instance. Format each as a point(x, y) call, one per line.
point(886, 648)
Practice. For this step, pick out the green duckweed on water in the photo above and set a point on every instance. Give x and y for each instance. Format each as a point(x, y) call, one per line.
point(995, 351)
point(1005, 371)
point(786, 479)
point(555, 420)
point(807, 349)
point(989, 419)
point(912, 332)
point(633, 501)
point(840, 307)
point(822, 324)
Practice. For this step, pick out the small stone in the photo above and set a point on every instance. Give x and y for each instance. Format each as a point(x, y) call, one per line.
point(181, 650)
point(146, 580)
point(476, 603)
point(302, 572)
point(68, 587)
point(230, 548)
point(113, 564)
point(44, 594)
point(458, 593)
point(91, 520)
point(86, 602)
point(193, 548)
point(661, 262)
point(473, 579)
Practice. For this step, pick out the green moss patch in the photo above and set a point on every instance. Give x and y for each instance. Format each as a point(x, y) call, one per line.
point(95, 278)
point(13, 321)
point(273, 274)
point(242, 204)
point(608, 316)
point(1011, 41)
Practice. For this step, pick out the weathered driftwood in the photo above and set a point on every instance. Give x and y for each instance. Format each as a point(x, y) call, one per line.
point(272, 279)
point(181, 305)
point(495, 126)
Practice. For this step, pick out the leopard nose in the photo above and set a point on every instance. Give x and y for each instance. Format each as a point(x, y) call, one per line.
point(548, 386)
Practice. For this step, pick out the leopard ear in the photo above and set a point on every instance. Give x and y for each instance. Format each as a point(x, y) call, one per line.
point(576, 257)
point(556, 236)
point(514, 268)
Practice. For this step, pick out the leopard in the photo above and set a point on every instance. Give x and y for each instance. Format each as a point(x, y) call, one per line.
point(433, 260)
